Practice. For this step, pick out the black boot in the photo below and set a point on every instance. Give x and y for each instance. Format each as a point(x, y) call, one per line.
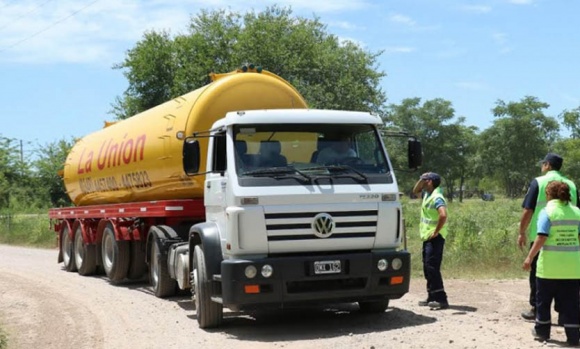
point(530, 314)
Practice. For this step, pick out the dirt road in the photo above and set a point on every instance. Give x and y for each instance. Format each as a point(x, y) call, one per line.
point(43, 306)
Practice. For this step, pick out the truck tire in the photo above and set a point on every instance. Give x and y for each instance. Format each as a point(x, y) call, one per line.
point(85, 255)
point(374, 306)
point(68, 251)
point(137, 266)
point(209, 313)
point(163, 285)
point(115, 255)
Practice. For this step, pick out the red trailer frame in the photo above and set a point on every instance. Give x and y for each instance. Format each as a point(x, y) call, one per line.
point(131, 221)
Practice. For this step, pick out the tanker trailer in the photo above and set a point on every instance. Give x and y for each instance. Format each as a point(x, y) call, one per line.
point(128, 178)
point(239, 193)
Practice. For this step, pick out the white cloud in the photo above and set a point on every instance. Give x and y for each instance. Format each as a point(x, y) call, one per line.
point(100, 31)
point(343, 40)
point(399, 49)
point(477, 8)
point(344, 25)
point(317, 5)
point(402, 19)
point(521, 2)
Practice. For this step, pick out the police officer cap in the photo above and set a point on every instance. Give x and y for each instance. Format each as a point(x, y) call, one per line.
point(431, 176)
point(554, 160)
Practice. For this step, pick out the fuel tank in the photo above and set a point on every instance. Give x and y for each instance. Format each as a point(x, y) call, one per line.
point(140, 158)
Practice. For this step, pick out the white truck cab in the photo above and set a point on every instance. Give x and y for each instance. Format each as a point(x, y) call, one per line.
point(301, 206)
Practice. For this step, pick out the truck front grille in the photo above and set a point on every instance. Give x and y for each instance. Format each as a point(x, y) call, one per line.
point(299, 226)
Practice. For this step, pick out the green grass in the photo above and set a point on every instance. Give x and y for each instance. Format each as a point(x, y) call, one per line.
point(481, 241)
point(26, 230)
point(3, 339)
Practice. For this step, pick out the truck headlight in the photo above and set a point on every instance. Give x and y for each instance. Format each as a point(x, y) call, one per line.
point(250, 272)
point(267, 270)
point(397, 263)
point(382, 264)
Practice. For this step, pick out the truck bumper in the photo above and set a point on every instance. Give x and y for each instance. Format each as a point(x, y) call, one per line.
point(294, 280)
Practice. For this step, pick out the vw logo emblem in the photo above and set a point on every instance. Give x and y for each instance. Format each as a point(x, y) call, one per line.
point(323, 225)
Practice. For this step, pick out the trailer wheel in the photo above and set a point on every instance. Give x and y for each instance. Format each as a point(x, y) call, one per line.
point(209, 313)
point(115, 255)
point(163, 285)
point(137, 266)
point(68, 251)
point(85, 255)
point(374, 307)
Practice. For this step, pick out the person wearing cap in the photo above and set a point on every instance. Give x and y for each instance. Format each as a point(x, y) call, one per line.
point(557, 250)
point(433, 231)
point(534, 201)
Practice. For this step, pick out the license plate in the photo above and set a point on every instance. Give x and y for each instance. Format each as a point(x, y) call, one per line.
point(327, 267)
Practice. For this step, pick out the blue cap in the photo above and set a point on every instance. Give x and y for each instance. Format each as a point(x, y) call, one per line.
point(554, 160)
point(432, 176)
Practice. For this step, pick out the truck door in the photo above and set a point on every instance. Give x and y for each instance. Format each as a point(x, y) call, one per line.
point(216, 180)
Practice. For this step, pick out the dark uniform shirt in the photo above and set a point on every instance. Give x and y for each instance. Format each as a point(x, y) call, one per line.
point(531, 198)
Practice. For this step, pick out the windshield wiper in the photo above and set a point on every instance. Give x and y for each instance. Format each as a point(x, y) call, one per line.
point(280, 172)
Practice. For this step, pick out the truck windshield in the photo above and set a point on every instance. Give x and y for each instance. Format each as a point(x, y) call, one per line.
point(291, 154)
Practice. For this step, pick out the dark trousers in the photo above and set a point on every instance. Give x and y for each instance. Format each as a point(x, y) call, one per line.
point(532, 279)
point(432, 258)
point(565, 293)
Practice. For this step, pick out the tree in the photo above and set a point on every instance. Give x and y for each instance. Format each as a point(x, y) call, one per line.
point(571, 120)
point(329, 73)
point(150, 76)
point(446, 141)
point(50, 162)
point(15, 175)
point(519, 137)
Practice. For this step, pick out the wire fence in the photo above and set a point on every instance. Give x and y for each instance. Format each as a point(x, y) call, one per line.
point(26, 230)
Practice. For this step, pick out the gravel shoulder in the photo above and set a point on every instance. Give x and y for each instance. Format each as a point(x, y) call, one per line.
point(43, 306)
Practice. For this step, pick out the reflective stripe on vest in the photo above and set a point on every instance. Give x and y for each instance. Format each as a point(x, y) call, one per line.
point(430, 215)
point(541, 201)
point(560, 256)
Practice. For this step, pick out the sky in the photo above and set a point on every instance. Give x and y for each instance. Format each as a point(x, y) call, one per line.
point(56, 56)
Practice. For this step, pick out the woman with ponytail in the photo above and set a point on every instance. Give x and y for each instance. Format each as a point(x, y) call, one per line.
point(558, 266)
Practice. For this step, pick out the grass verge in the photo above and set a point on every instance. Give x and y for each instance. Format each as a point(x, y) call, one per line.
point(26, 230)
point(481, 242)
point(3, 339)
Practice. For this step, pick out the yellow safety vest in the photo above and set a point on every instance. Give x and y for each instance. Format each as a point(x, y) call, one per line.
point(430, 215)
point(543, 182)
point(560, 256)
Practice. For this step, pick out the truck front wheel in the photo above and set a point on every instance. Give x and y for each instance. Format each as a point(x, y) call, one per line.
point(209, 313)
point(68, 250)
point(115, 255)
point(374, 306)
point(163, 285)
point(85, 255)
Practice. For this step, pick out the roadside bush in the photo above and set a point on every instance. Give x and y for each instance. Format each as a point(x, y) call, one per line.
point(481, 241)
point(26, 230)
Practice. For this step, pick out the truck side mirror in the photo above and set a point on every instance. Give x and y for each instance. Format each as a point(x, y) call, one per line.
point(191, 156)
point(415, 153)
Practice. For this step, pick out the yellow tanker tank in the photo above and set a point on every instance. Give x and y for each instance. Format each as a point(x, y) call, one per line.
point(140, 158)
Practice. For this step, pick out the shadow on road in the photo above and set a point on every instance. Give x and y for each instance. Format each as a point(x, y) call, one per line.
point(302, 323)
point(462, 309)
point(315, 323)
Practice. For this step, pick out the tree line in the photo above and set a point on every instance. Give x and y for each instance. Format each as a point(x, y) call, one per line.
point(331, 74)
